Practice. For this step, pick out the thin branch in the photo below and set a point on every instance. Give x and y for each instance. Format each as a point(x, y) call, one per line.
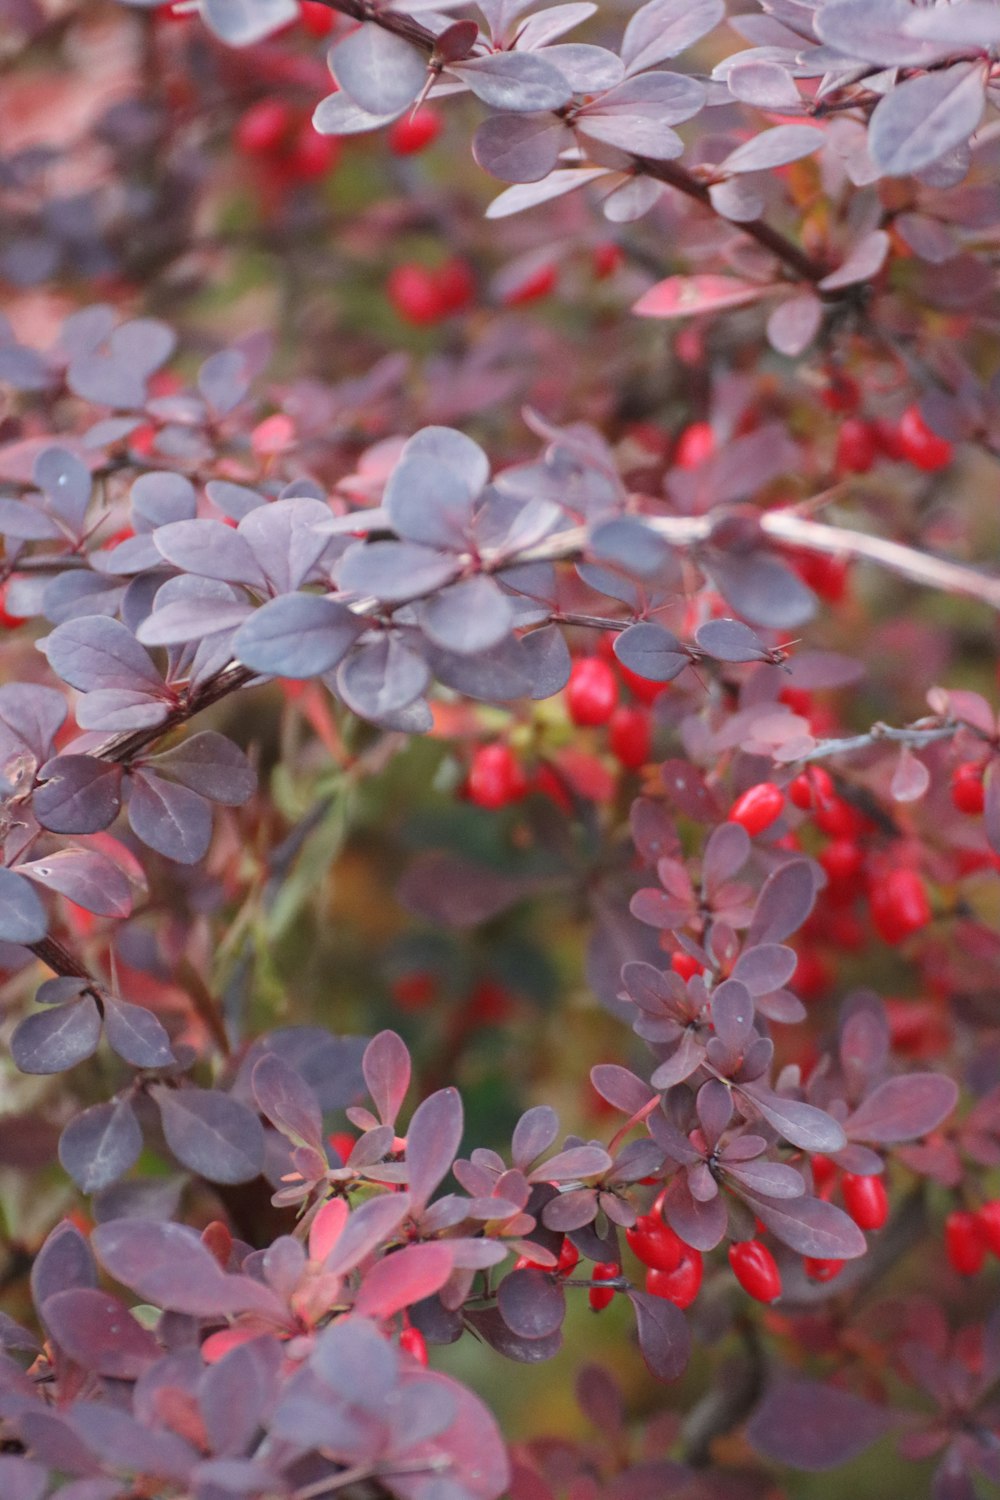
point(916, 736)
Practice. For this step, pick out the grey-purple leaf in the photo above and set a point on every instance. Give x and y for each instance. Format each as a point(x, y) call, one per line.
point(379, 679)
point(78, 794)
point(699, 1224)
point(97, 652)
point(283, 1095)
point(732, 1015)
point(800, 1124)
point(136, 1034)
point(726, 852)
point(380, 71)
point(534, 1133)
point(924, 118)
point(628, 543)
point(515, 81)
point(240, 23)
point(467, 617)
point(99, 1145)
point(772, 1179)
point(296, 635)
point(339, 115)
point(784, 903)
point(212, 1133)
point(518, 148)
point(651, 651)
point(810, 1226)
point(901, 1109)
point(386, 1067)
point(99, 1333)
point(211, 765)
point(30, 717)
point(429, 501)
point(663, 28)
point(171, 819)
point(22, 915)
point(546, 656)
point(432, 1143)
point(532, 1304)
point(85, 876)
point(664, 1336)
point(66, 482)
point(52, 1040)
point(161, 497)
point(814, 1426)
point(765, 968)
point(64, 1261)
point(209, 549)
point(394, 571)
point(168, 1265)
point(794, 324)
point(774, 148)
point(730, 640)
point(575, 1162)
point(620, 1087)
point(368, 1227)
point(223, 380)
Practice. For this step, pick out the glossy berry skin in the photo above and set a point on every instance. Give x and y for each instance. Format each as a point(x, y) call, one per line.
point(602, 1296)
point(964, 1242)
point(630, 736)
point(899, 905)
point(686, 966)
point(7, 620)
point(758, 808)
point(414, 132)
point(680, 1286)
point(415, 294)
point(810, 789)
point(967, 790)
point(920, 446)
point(540, 284)
point(413, 1341)
point(866, 1200)
point(695, 444)
point(756, 1270)
point(645, 689)
point(989, 1224)
point(822, 1270)
point(654, 1243)
point(495, 777)
point(857, 447)
point(592, 692)
point(311, 155)
point(317, 20)
point(569, 1258)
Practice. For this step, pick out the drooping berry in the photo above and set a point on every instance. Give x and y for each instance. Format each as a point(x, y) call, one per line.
point(414, 132)
point(607, 259)
point(680, 1286)
point(8, 621)
point(592, 692)
point(920, 445)
point(686, 966)
point(989, 1223)
point(842, 393)
point(822, 1270)
point(456, 284)
point(654, 1243)
point(857, 447)
point(695, 444)
point(311, 155)
point(899, 905)
point(569, 1258)
point(416, 295)
point(866, 1200)
point(414, 1343)
point(967, 790)
point(317, 19)
point(262, 129)
point(756, 1270)
point(602, 1296)
point(646, 689)
point(630, 736)
point(495, 777)
point(810, 788)
point(964, 1242)
point(540, 284)
point(758, 807)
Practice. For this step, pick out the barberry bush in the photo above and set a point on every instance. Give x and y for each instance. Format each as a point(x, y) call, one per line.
point(499, 749)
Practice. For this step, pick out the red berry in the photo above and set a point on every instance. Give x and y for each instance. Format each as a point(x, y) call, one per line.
point(756, 1270)
point(533, 288)
point(311, 155)
point(989, 1224)
point(899, 905)
point(654, 1243)
point(810, 788)
point(416, 295)
point(643, 688)
point(456, 285)
point(262, 129)
point(964, 1242)
point(838, 819)
point(601, 1296)
point(843, 392)
point(607, 259)
point(824, 1170)
point(921, 446)
point(630, 736)
point(7, 620)
point(686, 966)
point(827, 576)
point(414, 132)
point(569, 1257)
point(343, 1143)
point(758, 807)
point(316, 19)
point(857, 447)
point(695, 444)
point(866, 1200)
point(681, 1286)
point(413, 1341)
point(822, 1270)
point(495, 777)
point(967, 790)
point(842, 860)
point(592, 692)
point(414, 991)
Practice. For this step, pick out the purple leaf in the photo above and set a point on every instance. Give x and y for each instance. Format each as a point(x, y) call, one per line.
point(210, 765)
point(765, 968)
point(78, 794)
point(685, 296)
point(212, 1133)
point(774, 148)
point(85, 876)
point(651, 651)
point(794, 324)
point(136, 1034)
point(171, 819)
point(546, 659)
point(22, 915)
point(802, 1125)
point(432, 1143)
point(64, 1261)
point(114, 371)
point(531, 1303)
point(99, 1333)
point(876, 34)
point(283, 1095)
point(209, 549)
point(58, 1038)
point(814, 1426)
point(901, 1109)
point(518, 148)
point(20, 1479)
point(491, 1327)
point(514, 81)
point(771, 1179)
point(160, 498)
point(378, 70)
point(620, 1087)
point(763, 590)
point(296, 635)
point(468, 617)
point(99, 1145)
point(168, 1265)
point(664, 1336)
point(922, 119)
point(784, 903)
point(30, 717)
point(809, 1226)
point(124, 1443)
point(729, 640)
point(577, 1161)
point(404, 1277)
point(240, 23)
point(371, 1225)
point(732, 1015)
point(663, 28)
point(430, 501)
point(699, 1224)
point(97, 652)
point(394, 571)
point(534, 1133)
point(386, 1067)
point(66, 483)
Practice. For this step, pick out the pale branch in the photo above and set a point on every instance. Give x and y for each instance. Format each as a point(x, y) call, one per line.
point(914, 736)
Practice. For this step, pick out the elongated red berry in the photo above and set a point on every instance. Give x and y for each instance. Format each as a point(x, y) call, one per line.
point(262, 129)
point(413, 1341)
point(920, 445)
point(756, 1270)
point(495, 777)
point(414, 132)
point(533, 288)
point(602, 1296)
point(899, 905)
point(822, 1270)
point(317, 19)
point(758, 808)
point(967, 790)
point(809, 789)
point(866, 1200)
point(630, 736)
point(646, 689)
point(654, 1243)
point(415, 294)
point(680, 1286)
point(686, 966)
point(842, 393)
point(695, 444)
point(964, 1242)
point(989, 1223)
point(592, 692)
point(607, 258)
point(857, 447)
point(569, 1258)
point(7, 620)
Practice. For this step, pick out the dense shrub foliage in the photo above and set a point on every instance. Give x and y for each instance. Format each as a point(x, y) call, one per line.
point(496, 513)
